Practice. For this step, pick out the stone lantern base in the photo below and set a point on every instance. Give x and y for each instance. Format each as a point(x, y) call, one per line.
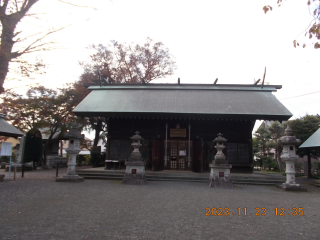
point(292, 187)
point(220, 176)
point(71, 175)
point(135, 173)
point(70, 178)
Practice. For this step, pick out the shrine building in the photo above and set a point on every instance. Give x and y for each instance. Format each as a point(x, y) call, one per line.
point(179, 122)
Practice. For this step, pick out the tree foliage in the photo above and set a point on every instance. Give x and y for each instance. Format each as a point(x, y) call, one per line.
point(123, 63)
point(303, 128)
point(276, 130)
point(41, 108)
point(262, 136)
point(265, 139)
point(97, 124)
point(313, 30)
point(128, 63)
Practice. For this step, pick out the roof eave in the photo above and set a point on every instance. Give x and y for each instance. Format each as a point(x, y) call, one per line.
point(183, 115)
point(14, 135)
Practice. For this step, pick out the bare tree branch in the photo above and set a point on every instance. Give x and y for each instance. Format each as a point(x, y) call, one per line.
point(21, 40)
point(26, 50)
point(16, 5)
point(24, 4)
point(77, 5)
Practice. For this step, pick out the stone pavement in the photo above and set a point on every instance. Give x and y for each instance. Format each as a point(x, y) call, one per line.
point(37, 207)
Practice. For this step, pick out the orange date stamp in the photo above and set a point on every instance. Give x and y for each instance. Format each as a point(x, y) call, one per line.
point(254, 212)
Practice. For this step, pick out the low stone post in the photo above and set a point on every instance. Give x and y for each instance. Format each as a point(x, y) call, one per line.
point(220, 169)
point(73, 149)
point(135, 166)
point(289, 156)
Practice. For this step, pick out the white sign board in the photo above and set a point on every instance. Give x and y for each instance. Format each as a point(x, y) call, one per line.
point(5, 149)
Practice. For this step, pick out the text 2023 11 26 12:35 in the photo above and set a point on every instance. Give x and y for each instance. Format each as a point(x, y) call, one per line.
point(254, 212)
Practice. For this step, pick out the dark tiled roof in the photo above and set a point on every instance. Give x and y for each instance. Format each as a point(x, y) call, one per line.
point(185, 100)
point(7, 129)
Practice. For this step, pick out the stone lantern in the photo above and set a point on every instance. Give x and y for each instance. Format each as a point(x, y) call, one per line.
point(73, 149)
point(289, 155)
point(220, 169)
point(135, 166)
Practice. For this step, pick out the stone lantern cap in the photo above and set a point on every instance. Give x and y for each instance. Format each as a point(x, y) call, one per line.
point(288, 139)
point(136, 137)
point(220, 138)
point(74, 133)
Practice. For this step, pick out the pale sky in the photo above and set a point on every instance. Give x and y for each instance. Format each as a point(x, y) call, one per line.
point(230, 40)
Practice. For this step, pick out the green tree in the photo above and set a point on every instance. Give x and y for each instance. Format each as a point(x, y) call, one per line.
point(98, 124)
point(41, 108)
point(303, 128)
point(266, 139)
point(256, 152)
point(276, 131)
point(262, 136)
point(313, 30)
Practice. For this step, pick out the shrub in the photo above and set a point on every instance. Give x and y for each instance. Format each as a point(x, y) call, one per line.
point(83, 160)
point(97, 159)
point(269, 163)
point(298, 166)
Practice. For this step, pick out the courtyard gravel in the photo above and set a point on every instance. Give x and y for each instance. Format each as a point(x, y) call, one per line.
point(37, 207)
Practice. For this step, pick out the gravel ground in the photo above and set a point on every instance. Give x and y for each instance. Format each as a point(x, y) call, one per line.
point(37, 207)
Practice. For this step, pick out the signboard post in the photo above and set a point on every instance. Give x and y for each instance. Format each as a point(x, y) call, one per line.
point(6, 150)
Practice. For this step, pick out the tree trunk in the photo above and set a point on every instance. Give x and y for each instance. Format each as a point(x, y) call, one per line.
point(279, 159)
point(97, 133)
point(9, 22)
point(309, 165)
point(44, 159)
point(61, 148)
point(6, 49)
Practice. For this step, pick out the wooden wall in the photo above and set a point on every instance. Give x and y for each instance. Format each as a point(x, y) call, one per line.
point(238, 133)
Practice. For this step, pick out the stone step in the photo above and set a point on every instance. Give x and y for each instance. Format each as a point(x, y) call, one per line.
point(166, 177)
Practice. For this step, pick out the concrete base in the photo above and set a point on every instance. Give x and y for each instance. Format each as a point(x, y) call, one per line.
point(220, 176)
point(135, 173)
point(70, 178)
point(292, 187)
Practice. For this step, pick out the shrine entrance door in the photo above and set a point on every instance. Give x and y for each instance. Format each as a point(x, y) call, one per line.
point(178, 152)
